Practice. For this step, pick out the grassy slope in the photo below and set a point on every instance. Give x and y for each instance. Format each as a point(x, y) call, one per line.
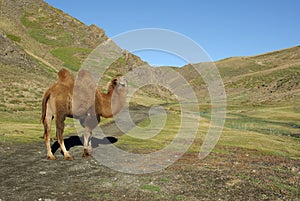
point(266, 129)
point(248, 131)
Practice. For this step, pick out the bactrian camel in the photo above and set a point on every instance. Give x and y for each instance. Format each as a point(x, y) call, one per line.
point(80, 99)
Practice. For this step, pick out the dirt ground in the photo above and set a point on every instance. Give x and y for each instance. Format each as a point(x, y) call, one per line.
point(237, 175)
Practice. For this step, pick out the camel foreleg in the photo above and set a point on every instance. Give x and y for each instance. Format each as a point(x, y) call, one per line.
point(87, 143)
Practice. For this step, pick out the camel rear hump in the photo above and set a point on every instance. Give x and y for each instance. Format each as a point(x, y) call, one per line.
point(65, 79)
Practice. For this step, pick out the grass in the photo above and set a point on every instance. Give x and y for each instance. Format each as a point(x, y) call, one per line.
point(14, 37)
point(259, 125)
point(238, 66)
point(265, 120)
point(53, 37)
point(244, 131)
point(135, 141)
point(49, 35)
point(25, 127)
point(271, 145)
point(20, 132)
point(71, 56)
point(151, 188)
point(21, 91)
point(279, 77)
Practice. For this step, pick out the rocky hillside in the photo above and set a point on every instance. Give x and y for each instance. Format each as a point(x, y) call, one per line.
point(22, 79)
point(49, 35)
point(263, 79)
point(11, 54)
point(36, 40)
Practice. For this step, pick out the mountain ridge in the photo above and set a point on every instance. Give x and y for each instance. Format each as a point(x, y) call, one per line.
point(42, 37)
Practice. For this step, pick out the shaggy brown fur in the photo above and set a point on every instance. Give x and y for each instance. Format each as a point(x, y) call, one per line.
point(88, 105)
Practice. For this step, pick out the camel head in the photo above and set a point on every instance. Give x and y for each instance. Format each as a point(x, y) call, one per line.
point(118, 84)
point(115, 99)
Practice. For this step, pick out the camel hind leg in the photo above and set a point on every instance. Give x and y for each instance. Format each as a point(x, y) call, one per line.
point(47, 131)
point(60, 125)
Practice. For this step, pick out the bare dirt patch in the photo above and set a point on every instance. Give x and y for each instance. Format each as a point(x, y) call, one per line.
point(237, 175)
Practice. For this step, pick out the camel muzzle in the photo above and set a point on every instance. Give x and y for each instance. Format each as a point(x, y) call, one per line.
point(123, 81)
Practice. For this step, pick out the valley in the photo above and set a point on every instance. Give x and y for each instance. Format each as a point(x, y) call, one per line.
point(256, 158)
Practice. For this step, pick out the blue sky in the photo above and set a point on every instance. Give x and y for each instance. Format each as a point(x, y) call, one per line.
point(222, 28)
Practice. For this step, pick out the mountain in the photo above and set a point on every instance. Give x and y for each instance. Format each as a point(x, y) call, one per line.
point(48, 34)
point(37, 40)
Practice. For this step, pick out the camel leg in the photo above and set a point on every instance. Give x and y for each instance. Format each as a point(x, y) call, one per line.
point(87, 145)
point(60, 125)
point(47, 130)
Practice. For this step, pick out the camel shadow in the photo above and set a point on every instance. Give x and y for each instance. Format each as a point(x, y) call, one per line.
point(73, 141)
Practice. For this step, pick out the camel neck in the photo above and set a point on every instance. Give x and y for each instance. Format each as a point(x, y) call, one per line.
point(112, 103)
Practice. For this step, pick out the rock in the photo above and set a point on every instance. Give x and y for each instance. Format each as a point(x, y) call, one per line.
point(233, 182)
point(294, 169)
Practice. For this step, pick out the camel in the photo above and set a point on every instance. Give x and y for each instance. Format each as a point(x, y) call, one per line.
point(80, 99)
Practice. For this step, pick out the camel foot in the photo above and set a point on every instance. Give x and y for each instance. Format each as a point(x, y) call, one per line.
point(51, 158)
point(68, 158)
point(86, 154)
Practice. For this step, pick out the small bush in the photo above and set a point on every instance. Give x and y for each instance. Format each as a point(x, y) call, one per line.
point(14, 38)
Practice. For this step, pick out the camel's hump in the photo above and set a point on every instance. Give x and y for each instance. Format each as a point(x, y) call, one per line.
point(64, 75)
point(83, 93)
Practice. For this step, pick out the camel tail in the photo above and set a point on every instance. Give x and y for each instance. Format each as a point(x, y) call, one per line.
point(44, 105)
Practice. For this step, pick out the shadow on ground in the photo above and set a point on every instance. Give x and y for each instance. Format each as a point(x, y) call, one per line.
point(74, 141)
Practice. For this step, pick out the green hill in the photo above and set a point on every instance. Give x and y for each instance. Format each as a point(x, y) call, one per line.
point(266, 79)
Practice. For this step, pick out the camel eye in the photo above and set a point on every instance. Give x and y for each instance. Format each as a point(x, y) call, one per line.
point(115, 81)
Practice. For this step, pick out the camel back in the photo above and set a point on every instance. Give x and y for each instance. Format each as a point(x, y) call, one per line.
point(84, 94)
